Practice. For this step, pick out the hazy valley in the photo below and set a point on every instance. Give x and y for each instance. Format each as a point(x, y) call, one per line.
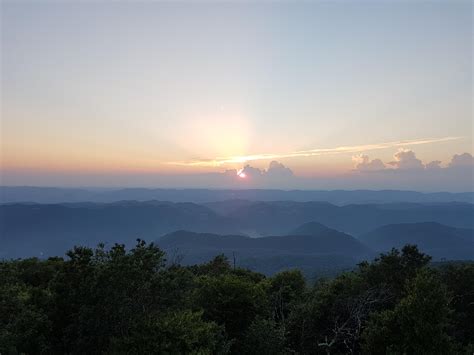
point(266, 236)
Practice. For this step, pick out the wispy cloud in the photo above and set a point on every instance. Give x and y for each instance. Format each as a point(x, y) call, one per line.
point(217, 161)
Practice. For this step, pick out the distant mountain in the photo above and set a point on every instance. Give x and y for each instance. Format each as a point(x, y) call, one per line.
point(320, 249)
point(332, 242)
point(28, 229)
point(438, 240)
point(226, 207)
point(36, 230)
point(338, 197)
point(331, 239)
point(279, 217)
point(312, 228)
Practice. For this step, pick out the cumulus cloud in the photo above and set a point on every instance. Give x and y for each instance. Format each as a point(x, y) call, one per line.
point(435, 164)
point(406, 159)
point(250, 171)
point(365, 164)
point(461, 160)
point(276, 169)
point(409, 172)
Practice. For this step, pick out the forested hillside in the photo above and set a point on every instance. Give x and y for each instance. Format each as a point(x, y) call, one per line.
point(41, 230)
point(321, 252)
point(441, 242)
point(120, 301)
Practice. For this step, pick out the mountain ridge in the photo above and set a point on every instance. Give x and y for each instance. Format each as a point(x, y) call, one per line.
point(436, 239)
point(338, 197)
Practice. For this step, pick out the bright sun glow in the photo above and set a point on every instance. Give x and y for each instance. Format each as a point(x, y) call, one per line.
point(241, 173)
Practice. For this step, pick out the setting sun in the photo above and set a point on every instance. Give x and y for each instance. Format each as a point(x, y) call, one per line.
point(241, 174)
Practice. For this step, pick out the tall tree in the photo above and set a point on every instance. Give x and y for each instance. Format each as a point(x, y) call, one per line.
point(417, 325)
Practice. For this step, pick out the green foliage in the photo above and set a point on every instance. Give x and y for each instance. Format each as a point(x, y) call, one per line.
point(107, 293)
point(286, 289)
point(123, 301)
point(394, 269)
point(183, 332)
point(459, 281)
point(231, 301)
point(23, 327)
point(417, 325)
point(330, 319)
point(217, 266)
point(264, 336)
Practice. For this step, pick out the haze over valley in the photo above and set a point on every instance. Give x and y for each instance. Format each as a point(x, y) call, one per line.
point(266, 236)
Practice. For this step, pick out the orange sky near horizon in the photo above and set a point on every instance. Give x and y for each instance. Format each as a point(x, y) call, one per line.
point(189, 88)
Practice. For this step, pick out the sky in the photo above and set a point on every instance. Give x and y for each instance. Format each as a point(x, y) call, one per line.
point(288, 94)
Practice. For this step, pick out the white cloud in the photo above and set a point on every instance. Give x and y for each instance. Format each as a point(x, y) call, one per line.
point(276, 169)
point(461, 160)
point(251, 172)
point(365, 164)
point(406, 159)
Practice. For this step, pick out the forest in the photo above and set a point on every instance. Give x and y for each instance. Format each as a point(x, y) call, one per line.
point(118, 301)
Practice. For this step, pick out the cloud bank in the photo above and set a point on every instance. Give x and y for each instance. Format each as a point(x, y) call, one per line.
point(405, 172)
point(406, 160)
point(462, 160)
point(365, 164)
point(309, 153)
point(275, 170)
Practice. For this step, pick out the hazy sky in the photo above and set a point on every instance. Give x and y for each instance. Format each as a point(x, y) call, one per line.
point(99, 93)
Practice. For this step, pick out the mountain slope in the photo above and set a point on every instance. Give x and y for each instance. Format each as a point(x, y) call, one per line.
point(328, 250)
point(35, 229)
point(279, 217)
point(311, 228)
point(44, 230)
point(436, 239)
point(334, 242)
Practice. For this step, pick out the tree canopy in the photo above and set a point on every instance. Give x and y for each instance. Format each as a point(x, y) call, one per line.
point(114, 300)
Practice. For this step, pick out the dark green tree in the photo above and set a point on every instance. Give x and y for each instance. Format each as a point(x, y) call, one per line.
point(286, 290)
point(182, 332)
point(331, 318)
point(459, 281)
point(264, 337)
point(417, 325)
point(392, 270)
point(232, 301)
